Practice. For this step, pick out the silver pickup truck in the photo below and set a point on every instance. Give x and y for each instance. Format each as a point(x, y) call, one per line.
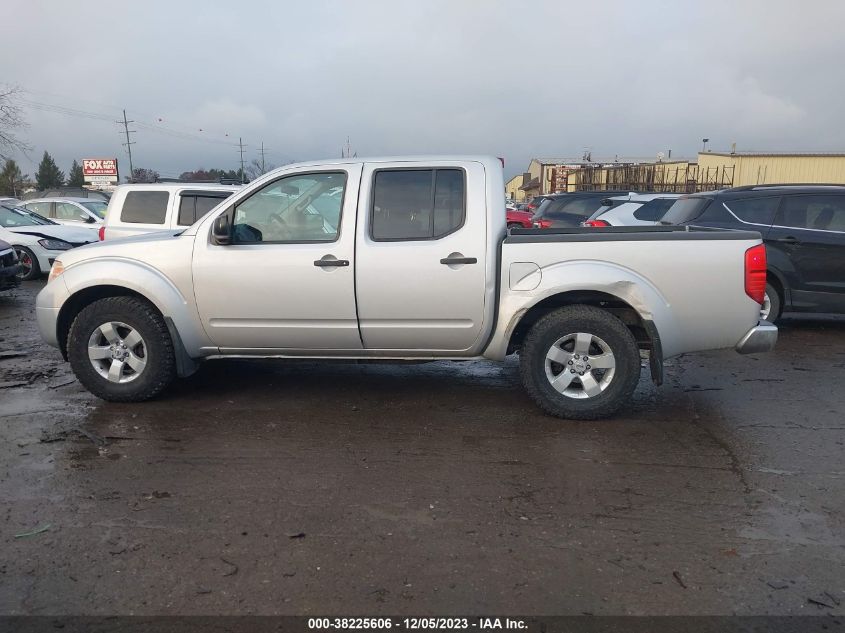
point(403, 259)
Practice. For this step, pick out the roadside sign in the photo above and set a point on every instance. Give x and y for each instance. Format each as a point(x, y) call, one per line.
point(102, 171)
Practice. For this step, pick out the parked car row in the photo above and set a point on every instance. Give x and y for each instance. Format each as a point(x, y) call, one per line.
point(803, 228)
point(38, 230)
point(38, 241)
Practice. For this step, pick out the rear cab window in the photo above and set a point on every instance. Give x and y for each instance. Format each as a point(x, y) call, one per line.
point(145, 207)
point(417, 204)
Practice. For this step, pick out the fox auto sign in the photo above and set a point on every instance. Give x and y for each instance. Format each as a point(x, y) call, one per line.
point(99, 170)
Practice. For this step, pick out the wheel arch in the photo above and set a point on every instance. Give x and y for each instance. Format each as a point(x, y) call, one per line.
point(77, 302)
point(643, 330)
point(115, 277)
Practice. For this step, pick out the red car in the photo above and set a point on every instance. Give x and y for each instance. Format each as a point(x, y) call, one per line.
point(518, 219)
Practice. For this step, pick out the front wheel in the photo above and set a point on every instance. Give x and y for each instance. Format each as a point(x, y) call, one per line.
point(120, 350)
point(28, 263)
point(580, 362)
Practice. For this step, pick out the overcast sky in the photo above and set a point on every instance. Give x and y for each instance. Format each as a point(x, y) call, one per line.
point(514, 79)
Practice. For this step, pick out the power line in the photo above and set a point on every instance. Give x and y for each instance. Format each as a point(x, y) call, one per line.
point(128, 143)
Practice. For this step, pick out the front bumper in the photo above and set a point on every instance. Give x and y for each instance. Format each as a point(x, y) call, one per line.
point(761, 338)
point(9, 277)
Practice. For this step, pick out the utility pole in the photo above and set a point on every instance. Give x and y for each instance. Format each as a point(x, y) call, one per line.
point(241, 145)
point(128, 144)
point(263, 171)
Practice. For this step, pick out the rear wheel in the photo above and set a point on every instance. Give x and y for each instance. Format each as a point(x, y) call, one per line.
point(772, 304)
point(29, 264)
point(120, 350)
point(580, 362)
point(514, 225)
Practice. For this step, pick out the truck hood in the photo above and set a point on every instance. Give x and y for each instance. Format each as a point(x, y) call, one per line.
point(71, 234)
point(139, 247)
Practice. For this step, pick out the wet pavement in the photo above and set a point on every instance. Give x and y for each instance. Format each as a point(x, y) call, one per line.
point(301, 488)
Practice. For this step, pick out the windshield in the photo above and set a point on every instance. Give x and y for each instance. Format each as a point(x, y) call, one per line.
point(13, 217)
point(97, 207)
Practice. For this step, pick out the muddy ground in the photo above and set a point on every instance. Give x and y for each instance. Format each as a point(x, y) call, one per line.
point(425, 489)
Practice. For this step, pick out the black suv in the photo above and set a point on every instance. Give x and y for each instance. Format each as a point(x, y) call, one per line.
point(561, 210)
point(803, 227)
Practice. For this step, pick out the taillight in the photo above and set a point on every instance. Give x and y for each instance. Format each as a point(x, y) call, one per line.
point(595, 223)
point(102, 233)
point(755, 272)
point(543, 224)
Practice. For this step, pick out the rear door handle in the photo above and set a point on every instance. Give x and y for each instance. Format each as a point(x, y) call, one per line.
point(458, 260)
point(331, 262)
point(789, 240)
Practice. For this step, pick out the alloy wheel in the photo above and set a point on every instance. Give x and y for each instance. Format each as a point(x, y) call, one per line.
point(580, 365)
point(117, 352)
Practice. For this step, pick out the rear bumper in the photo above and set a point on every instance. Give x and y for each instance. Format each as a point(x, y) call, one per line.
point(761, 338)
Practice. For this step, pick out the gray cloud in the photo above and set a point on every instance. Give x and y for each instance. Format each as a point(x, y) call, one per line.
point(515, 79)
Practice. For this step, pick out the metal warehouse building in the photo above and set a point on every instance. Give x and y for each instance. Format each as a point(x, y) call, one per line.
point(759, 168)
point(711, 170)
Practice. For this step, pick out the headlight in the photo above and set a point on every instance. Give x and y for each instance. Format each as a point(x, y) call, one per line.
point(57, 269)
point(55, 245)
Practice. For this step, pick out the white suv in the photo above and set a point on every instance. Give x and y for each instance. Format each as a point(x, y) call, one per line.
point(137, 209)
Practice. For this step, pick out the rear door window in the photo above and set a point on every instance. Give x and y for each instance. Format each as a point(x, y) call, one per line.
point(417, 204)
point(817, 212)
point(41, 208)
point(193, 206)
point(145, 207)
point(755, 210)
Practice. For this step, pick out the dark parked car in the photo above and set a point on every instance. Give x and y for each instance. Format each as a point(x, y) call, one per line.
point(803, 227)
point(9, 267)
point(535, 203)
point(564, 210)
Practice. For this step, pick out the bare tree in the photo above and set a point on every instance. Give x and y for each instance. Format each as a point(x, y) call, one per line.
point(141, 174)
point(11, 120)
point(256, 169)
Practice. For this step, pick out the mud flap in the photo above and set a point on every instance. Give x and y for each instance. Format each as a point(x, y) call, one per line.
point(185, 365)
point(655, 356)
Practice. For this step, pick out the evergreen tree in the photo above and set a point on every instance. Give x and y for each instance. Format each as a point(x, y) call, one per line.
point(11, 179)
point(75, 178)
point(49, 175)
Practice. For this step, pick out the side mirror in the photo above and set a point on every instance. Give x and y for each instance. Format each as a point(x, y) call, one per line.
point(221, 231)
point(89, 220)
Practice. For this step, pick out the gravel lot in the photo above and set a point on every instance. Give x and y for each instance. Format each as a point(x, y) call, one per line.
point(300, 488)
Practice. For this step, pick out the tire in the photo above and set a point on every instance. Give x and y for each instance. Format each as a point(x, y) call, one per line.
point(146, 367)
point(566, 330)
point(775, 304)
point(33, 270)
point(514, 225)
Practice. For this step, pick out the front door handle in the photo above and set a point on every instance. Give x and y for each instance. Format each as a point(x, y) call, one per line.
point(451, 260)
point(789, 240)
point(329, 260)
